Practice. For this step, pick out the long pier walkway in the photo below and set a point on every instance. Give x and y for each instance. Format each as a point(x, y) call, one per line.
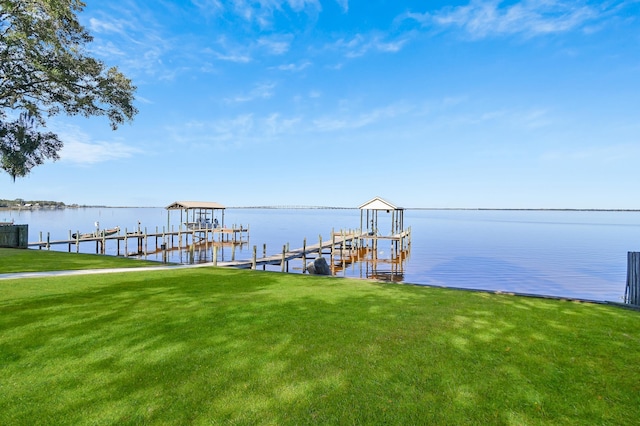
point(137, 242)
point(343, 248)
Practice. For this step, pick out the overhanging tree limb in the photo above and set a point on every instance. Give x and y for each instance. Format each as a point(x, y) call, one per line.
point(44, 68)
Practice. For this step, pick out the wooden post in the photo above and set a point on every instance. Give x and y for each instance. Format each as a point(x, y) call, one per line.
point(333, 245)
point(632, 292)
point(319, 245)
point(255, 252)
point(264, 254)
point(48, 240)
point(215, 255)
point(284, 250)
point(342, 256)
point(304, 256)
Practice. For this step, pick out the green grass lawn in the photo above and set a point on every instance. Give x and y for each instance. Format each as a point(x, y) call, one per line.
point(23, 260)
point(223, 346)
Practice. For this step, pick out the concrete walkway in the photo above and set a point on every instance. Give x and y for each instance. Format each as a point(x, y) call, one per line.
point(17, 275)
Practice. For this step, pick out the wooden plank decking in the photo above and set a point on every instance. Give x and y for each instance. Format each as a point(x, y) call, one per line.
point(342, 245)
point(141, 238)
point(343, 248)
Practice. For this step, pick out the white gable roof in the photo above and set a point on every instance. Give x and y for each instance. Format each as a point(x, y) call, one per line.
point(378, 203)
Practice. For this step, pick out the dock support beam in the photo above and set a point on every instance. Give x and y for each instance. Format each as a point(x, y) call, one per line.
point(632, 291)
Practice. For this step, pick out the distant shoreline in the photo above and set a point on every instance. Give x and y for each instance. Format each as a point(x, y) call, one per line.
point(334, 208)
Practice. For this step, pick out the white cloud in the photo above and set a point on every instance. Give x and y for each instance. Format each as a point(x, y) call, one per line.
point(344, 121)
point(230, 51)
point(108, 25)
point(261, 12)
point(237, 57)
point(294, 67)
point(595, 154)
point(79, 148)
point(530, 17)
point(108, 50)
point(261, 91)
point(233, 132)
point(359, 45)
point(276, 125)
point(275, 45)
point(79, 152)
point(344, 4)
point(134, 42)
point(208, 6)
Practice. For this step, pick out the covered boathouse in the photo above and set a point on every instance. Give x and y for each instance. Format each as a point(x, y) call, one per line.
point(370, 213)
point(204, 219)
point(197, 214)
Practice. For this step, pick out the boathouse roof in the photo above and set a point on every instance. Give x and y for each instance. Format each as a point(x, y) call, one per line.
point(186, 205)
point(378, 203)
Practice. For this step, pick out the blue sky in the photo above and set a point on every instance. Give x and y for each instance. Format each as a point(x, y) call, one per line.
point(490, 104)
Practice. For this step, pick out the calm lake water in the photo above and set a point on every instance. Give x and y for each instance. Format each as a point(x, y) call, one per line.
point(576, 254)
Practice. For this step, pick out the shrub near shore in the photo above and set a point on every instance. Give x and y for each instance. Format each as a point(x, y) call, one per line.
point(211, 345)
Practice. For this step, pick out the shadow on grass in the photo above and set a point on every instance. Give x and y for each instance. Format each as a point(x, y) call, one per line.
point(206, 345)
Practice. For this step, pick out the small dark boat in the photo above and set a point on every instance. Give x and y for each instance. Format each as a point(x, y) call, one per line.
point(81, 236)
point(107, 232)
point(98, 234)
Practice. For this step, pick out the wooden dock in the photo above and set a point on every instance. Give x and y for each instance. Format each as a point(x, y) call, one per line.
point(344, 248)
point(137, 242)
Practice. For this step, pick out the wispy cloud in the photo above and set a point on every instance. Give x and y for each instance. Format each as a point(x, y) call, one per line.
point(597, 154)
point(232, 133)
point(480, 19)
point(208, 6)
point(276, 124)
point(344, 4)
point(136, 47)
point(80, 149)
point(275, 45)
point(361, 44)
point(84, 153)
point(260, 12)
point(345, 121)
point(235, 50)
point(109, 25)
point(261, 91)
point(294, 67)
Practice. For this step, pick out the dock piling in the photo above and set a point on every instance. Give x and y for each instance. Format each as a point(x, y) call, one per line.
point(632, 291)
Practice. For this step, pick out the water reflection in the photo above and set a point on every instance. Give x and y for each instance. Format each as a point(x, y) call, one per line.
point(559, 253)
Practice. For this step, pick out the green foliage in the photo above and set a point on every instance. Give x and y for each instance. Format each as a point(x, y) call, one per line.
point(22, 147)
point(44, 71)
point(222, 346)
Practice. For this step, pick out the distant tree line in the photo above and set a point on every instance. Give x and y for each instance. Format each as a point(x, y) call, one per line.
point(19, 202)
